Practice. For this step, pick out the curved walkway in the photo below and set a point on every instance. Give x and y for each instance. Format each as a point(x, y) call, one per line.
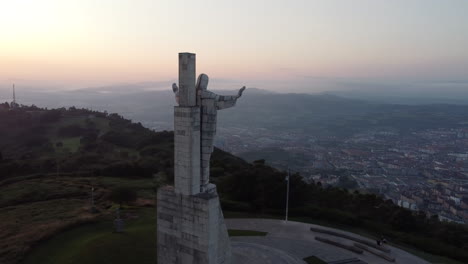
point(290, 242)
point(255, 253)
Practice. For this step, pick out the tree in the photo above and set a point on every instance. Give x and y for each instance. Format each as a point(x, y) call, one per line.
point(347, 182)
point(123, 195)
point(259, 162)
point(73, 130)
point(51, 116)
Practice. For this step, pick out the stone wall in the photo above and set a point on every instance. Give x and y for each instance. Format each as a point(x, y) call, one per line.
point(187, 149)
point(191, 229)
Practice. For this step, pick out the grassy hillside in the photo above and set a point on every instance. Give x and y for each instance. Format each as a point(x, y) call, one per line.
point(50, 160)
point(97, 243)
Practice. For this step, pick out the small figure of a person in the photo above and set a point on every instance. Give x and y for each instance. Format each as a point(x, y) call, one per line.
point(383, 240)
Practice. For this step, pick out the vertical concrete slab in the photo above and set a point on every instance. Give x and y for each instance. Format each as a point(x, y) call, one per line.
point(187, 150)
point(187, 72)
point(191, 229)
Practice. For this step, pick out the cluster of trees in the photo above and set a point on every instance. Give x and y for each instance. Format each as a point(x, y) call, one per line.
point(121, 195)
point(32, 137)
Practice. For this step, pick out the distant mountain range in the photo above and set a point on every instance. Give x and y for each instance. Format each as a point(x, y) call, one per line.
point(418, 97)
point(311, 113)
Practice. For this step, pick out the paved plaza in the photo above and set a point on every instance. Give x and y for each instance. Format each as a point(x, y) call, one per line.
point(290, 242)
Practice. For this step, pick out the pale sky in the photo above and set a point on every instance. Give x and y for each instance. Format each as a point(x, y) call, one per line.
point(267, 44)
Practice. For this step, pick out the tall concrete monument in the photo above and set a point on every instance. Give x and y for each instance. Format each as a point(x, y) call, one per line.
point(191, 225)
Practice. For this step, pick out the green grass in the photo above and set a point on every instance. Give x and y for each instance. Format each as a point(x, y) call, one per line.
point(97, 243)
point(236, 232)
point(102, 124)
point(70, 145)
point(23, 225)
point(41, 189)
point(64, 121)
point(144, 187)
point(72, 120)
point(33, 208)
point(314, 260)
point(47, 187)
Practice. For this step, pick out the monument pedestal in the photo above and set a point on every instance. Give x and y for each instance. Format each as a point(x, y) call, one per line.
point(191, 229)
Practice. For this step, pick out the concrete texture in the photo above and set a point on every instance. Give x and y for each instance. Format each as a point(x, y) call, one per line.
point(256, 253)
point(191, 229)
point(187, 150)
point(187, 73)
point(295, 241)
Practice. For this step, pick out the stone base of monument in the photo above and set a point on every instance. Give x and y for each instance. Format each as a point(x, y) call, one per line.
point(191, 229)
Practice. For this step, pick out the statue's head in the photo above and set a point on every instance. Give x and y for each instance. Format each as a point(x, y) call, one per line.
point(202, 82)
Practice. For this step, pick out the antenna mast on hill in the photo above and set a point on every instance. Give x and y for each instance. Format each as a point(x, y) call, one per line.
point(14, 97)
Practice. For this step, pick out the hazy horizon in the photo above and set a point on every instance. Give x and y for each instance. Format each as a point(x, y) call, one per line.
point(283, 46)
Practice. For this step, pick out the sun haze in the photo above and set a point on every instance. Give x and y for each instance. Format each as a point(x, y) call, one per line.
point(286, 43)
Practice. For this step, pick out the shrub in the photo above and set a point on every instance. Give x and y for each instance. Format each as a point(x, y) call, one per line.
point(123, 195)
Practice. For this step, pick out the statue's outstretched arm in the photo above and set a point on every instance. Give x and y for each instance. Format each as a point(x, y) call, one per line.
point(224, 102)
point(239, 94)
point(175, 89)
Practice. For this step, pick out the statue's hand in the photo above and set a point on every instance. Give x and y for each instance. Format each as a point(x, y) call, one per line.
point(175, 89)
point(240, 92)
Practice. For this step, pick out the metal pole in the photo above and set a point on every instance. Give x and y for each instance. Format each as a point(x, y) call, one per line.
point(92, 197)
point(287, 195)
point(14, 95)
